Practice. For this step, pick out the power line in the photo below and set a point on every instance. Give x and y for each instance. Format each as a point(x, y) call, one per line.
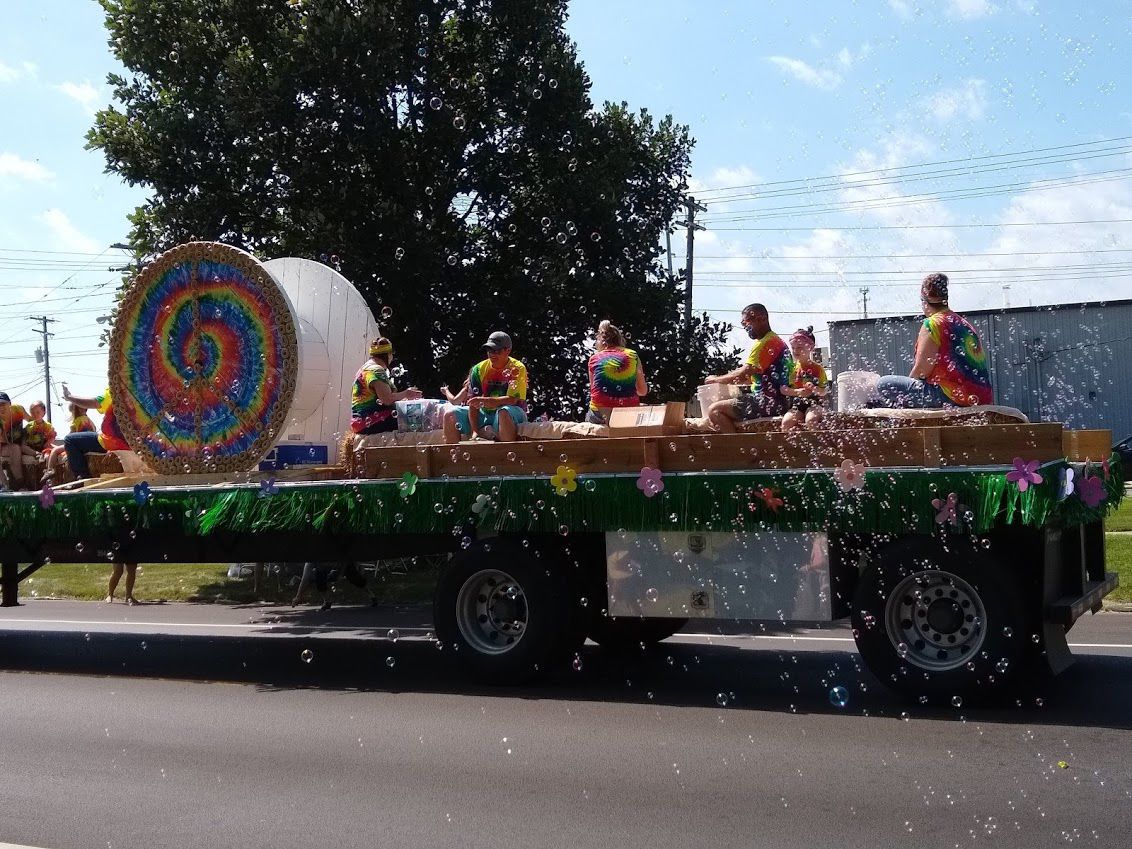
point(922, 165)
point(920, 226)
point(923, 256)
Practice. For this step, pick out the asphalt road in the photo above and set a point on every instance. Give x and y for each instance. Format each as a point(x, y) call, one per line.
point(711, 741)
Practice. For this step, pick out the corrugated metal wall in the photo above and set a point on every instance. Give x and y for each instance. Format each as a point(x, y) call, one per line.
point(1067, 364)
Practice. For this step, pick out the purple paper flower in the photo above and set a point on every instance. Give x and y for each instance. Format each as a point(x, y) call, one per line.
point(1091, 491)
point(650, 482)
point(1024, 474)
point(1066, 487)
point(267, 488)
point(141, 492)
point(947, 510)
point(47, 497)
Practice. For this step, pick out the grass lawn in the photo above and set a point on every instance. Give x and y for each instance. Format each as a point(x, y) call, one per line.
point(1119, 557)
point(1121, 520)
point(210, 583)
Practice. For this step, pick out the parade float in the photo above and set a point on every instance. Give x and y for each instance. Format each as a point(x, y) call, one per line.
point(963, 547)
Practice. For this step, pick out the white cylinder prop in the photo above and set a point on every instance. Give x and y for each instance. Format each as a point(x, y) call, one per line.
point(855, 389)
point(334, 325)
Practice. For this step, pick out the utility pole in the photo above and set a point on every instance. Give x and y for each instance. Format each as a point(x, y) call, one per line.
point(668, 247)
point(864, 290)
point(44, 321)
point(692, 207)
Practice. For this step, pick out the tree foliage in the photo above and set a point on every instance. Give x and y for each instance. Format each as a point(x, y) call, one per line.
point(445, 153)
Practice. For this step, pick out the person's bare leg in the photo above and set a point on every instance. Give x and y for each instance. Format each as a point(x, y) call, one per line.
point(722, 415)
point(791, 421)
point(131, 576)
point(451, 432)
point(115, 576)
point(308, 571)
point(814, 417)
point(15, 465)
point(505, 427)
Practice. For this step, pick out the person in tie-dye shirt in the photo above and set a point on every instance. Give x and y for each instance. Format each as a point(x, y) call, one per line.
point(373, 397)
point(950, 367)
point(493, 400)
point(616, 376)
point(809, 383)
point(767, 367)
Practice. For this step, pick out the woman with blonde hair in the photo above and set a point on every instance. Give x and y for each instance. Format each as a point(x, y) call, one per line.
point(617, 378)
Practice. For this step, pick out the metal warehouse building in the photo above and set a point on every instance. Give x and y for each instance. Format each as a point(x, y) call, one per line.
point(1067, 362)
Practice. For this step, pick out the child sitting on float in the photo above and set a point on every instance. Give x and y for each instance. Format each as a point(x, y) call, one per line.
point(808, 384)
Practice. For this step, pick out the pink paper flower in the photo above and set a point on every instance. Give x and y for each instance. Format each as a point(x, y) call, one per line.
point(650, 482)
point(1024, 474)
point(47, 497)
point(850, 475)
point(947, 510)
point(1091, 491)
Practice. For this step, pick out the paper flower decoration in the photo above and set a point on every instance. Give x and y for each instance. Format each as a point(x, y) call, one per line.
point(408, 484)
point(564, 481)
point(1091, 491)
point(141, 493)
point(1107, 469)
point(1024, 474)
point(481, 504)
point(768, 497)
point(651, 482)
point(267, 488)
point(47, 497)
point(947, 509)
point(850, 475)
point(1065, 485)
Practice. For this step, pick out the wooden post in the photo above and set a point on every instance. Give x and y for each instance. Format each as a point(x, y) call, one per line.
point(652, 454)
point(9, 584)
point(933, 449)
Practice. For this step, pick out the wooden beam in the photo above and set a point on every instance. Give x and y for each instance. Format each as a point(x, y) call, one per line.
point(1082, 446)
point(999, 444)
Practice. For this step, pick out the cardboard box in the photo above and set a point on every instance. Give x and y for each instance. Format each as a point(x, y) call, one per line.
point(662, 420)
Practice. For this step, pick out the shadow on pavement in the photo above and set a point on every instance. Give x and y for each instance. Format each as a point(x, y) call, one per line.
point(1097, 691)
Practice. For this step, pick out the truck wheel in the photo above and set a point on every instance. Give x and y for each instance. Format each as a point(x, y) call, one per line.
point(946, 625)
point(498, 608)
point(630, 633)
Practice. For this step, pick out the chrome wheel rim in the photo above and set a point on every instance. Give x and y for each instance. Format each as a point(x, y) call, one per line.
point(935, 620)
point(491, 611)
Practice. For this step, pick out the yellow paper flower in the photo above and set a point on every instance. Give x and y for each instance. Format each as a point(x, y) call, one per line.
point(564, 481)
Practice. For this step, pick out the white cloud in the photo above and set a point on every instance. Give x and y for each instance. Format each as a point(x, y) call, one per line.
point(970, 10)
point(18, 168)
point(902, 8)
point(65, 236)
point(82, 93)
point(846, 58)
point(805, 73)
point(12, 74)
point(969, 101)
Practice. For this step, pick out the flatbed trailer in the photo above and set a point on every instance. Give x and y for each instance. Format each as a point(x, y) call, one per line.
point(960, 570)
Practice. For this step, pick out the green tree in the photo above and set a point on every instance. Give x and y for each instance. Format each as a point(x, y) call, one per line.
point(444, 153)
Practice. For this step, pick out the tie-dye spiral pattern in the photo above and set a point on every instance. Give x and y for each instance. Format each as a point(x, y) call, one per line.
point(613, 379)
point(204, 348)
point(771, 359)
point(961, 366)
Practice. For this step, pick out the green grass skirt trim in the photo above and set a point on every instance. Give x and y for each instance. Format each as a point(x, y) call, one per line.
point(892, 501)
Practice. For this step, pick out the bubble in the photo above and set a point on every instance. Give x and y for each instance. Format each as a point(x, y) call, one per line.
point(560, 238)
point(577, 663)
point(721, 699)
point(1008, 632)
point(839, 696)
point(595, 237)
point(436, 103)
point(553, 83)
point(393, 635)
point(423, 20)
point(306, 655)
point(79, 547)
point(545, 222)
point(564, 530)
point(537, 94)
point(390, 661)
point(144, 645)
point(458, 122)
point(399, 253)
point(957, 701)
point(902, 649)
point(386, 313)
point(422, 52)
point(651, 594)
point(1034, 638)
point(591, 485)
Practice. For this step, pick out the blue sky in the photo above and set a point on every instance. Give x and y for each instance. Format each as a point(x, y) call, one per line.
point(773, 91)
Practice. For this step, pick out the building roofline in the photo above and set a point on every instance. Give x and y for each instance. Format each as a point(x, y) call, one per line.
point(999, 311)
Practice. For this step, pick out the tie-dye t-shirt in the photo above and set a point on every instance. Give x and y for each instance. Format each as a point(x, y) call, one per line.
point(39, 435)
point(13, 421)
point(812, 373)
point(510, 381)
point(111, 438)
point(366, 409)
point(613, 378)
point(82, 424)
point(961, 366)
point(772, 360)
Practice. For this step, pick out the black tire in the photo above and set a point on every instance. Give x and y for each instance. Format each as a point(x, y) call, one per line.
point(632, 634)
point(494, 588)
point(942, 625)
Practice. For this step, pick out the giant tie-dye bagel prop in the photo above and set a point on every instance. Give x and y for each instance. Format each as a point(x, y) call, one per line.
point(203, 360)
